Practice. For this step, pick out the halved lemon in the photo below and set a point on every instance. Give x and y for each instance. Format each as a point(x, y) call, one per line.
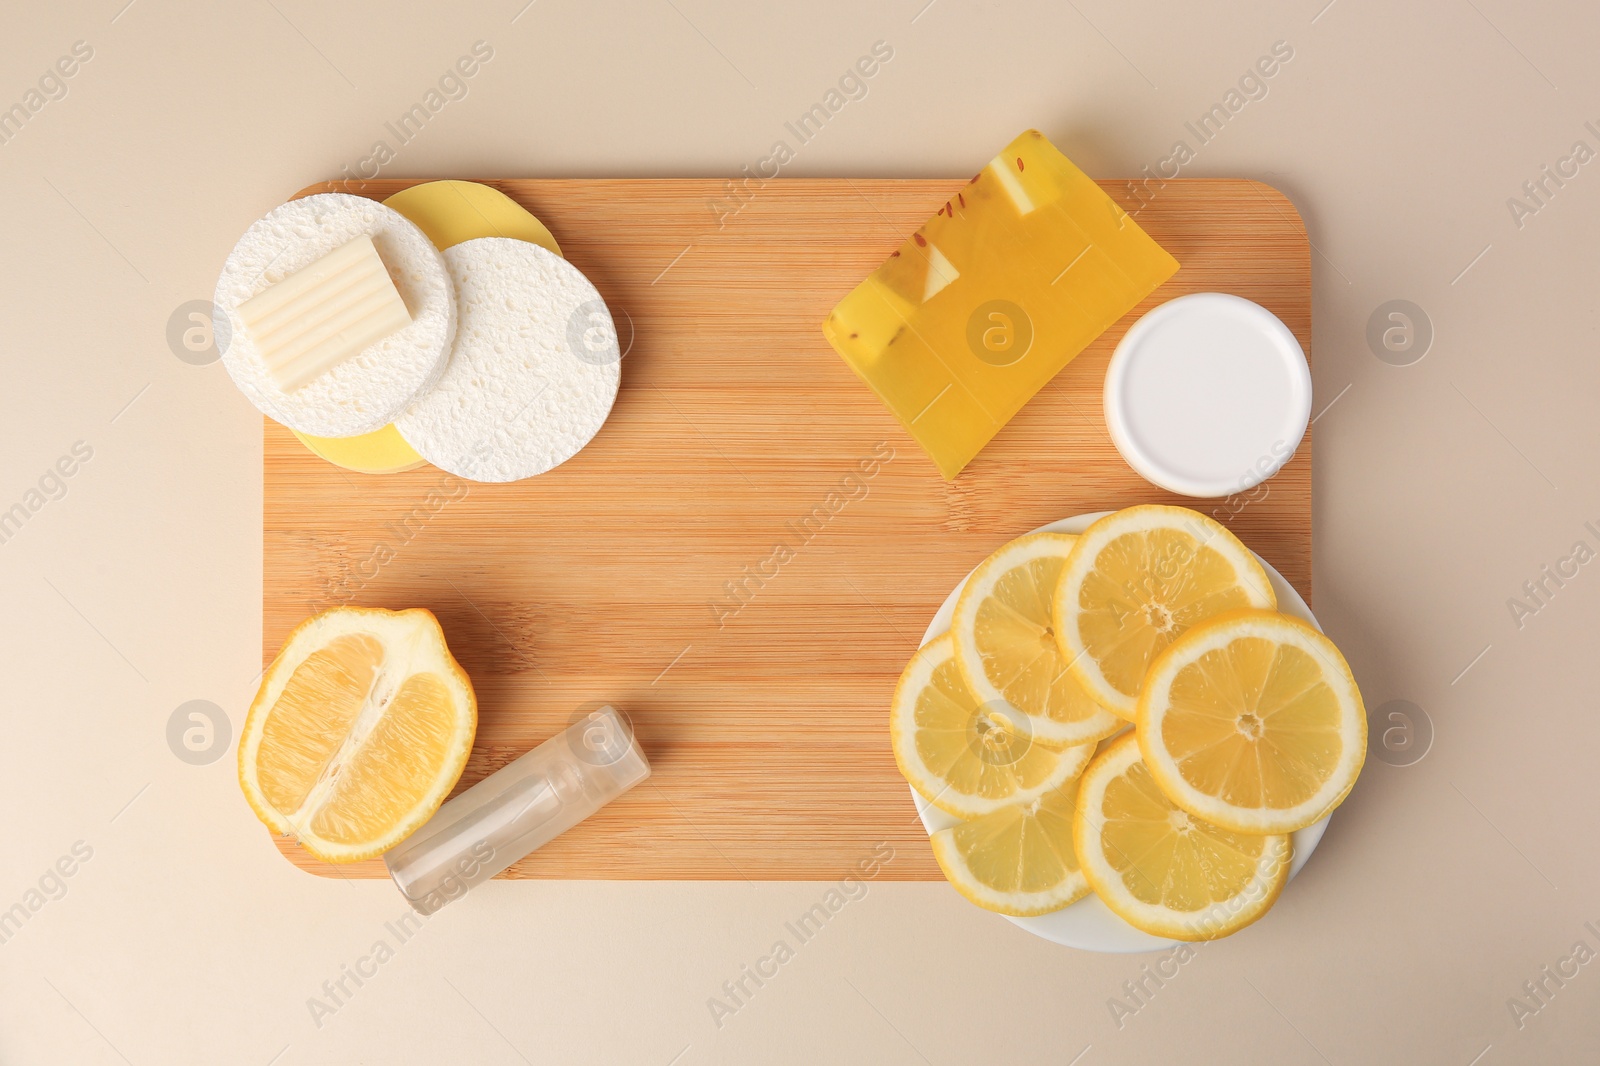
point(1135, 581)
point(1017, 860)
point(359, 731)
point(963, 756)
point(1162, 870)
point(1007, 649)
point(1253, 721)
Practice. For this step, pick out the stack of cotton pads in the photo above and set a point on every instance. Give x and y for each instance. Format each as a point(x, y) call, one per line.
point(367, 392)
point(510, 364)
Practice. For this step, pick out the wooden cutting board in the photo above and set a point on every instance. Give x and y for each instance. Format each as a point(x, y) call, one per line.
point(736, 434)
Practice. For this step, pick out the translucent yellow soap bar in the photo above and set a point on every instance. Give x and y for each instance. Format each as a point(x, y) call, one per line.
point(1010, 280)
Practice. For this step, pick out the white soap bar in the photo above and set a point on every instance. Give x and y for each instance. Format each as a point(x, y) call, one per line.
point(324, 313)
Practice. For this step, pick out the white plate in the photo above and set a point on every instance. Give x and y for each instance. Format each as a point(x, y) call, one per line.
point(1089, 924)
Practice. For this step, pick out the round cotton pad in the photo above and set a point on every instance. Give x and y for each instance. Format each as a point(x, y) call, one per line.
point(365, 392)
point(533, 371)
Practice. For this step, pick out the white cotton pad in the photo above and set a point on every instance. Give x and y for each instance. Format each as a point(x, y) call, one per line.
point(533, 371)
point(365, 392)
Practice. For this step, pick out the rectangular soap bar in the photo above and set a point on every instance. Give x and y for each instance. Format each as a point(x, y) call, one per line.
point(1008, 281)
point(324, 313)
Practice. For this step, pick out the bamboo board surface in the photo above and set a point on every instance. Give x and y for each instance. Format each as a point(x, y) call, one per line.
point(609, 579)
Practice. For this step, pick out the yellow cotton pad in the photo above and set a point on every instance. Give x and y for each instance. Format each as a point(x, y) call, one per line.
point(383, 451)
point(449, 212)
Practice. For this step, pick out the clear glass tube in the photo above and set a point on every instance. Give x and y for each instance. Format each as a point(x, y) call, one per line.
point(516, 809)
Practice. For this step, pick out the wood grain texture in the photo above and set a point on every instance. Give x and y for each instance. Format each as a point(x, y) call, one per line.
point(609, 578)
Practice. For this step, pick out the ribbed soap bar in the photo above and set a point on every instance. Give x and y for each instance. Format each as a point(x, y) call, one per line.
point(324, 313)
point(1009, 280)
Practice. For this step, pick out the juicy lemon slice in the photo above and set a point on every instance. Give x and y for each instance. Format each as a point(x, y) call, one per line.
point(966, 758)
point(361, 727)
point(1007, 649)
point(1135, 581)
point(1162, 870)
point(1253, 721)
point(1017, 860)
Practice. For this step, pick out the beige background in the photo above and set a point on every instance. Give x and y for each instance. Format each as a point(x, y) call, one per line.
point(1443, 486)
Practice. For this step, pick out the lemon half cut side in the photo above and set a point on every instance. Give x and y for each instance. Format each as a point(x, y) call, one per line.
point(360, 729)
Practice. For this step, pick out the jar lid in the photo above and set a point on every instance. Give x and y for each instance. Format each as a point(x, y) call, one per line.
point(1208, 394)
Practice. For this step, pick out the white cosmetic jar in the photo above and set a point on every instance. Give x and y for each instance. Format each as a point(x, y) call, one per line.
point(1208, 395)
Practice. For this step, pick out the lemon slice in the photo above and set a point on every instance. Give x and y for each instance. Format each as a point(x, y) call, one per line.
point(361, 728)
point(1017, 860)
point(1135, 581)
point(966, 758)
point(1007, 649)
point(1253, 721)
point(1162, 870)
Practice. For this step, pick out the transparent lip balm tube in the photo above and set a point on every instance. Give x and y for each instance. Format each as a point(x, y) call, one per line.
point(518, 808)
